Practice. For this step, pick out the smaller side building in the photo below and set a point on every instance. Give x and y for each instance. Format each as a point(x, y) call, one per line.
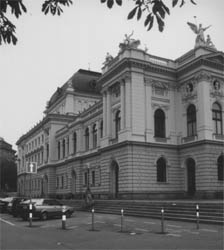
point(8, 168)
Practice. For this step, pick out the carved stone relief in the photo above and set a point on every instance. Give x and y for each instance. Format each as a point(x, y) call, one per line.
point(216, 88)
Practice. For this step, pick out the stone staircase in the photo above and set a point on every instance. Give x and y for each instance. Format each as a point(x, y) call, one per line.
point(209, 212)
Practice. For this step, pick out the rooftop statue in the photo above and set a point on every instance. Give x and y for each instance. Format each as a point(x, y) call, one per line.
point(129, 43)
point(199, 31)
point(209, 42)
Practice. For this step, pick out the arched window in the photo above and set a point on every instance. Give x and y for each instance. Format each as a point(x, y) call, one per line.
point(117, 123)
point(74, 142)
point(101, 129)
point(217, 118)
point(191, 121)
point(59, 150)
point(63, 148)
point(161, 169)
point(159, 123)
point(94, 136)
point(87, 138)
point(220, 165)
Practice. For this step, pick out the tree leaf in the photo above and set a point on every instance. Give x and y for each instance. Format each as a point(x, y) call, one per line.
point(139, 13)
point(160, 23)
point(132, 13)
point(110, 3)
point(151, 23)
point(119, 2)
point(182, 3)
point(192, 1)
point(103, 1)
point(148, 19)
point(165, 7)
point(174, 3)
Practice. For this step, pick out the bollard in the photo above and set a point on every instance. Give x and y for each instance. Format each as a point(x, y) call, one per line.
point(197, 216)
point(162, 221)
point(63, 218)
point(122, 218)
point(93, 219)
point(30, 215)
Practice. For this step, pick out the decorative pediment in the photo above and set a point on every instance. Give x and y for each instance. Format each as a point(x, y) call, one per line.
point(216, 58)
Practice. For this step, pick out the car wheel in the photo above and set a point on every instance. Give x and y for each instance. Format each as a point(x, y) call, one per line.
point(44, 216)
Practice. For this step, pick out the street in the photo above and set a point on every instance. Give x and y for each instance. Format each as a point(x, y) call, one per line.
point(107, 233)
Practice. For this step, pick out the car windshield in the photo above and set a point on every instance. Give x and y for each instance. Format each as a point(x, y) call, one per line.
point(34, 201)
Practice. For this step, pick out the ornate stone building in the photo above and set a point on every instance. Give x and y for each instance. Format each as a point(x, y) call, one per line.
point(147, 127)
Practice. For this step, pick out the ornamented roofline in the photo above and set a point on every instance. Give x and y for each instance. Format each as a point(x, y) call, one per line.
point(45, 120)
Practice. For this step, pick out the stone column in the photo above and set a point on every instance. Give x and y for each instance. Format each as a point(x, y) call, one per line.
point(104, 114)
point(128, 102)
point(108, 113)
point(80, 140)
point(204, 122)
point(122, 83)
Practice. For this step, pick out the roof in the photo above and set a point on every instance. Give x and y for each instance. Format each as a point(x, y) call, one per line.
point(84, 81)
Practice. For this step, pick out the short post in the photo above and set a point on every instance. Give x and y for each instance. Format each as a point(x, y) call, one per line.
point(93, 219)
point(30, 214)
point(162, 221)
point(197, 216)
point(63, 218)
point(122, 219)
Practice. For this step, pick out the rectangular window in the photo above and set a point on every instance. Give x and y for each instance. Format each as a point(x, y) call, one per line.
point(85, 179)
point(93, 178)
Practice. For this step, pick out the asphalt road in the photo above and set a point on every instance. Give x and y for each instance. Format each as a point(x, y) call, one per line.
point(136, 233)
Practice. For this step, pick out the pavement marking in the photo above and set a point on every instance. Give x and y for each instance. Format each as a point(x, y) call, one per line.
point(7, 222)
point(170, 225)
point(100, 222)
point(175, 235)
point(209, 230)
point(149, 222)
point(141, 229)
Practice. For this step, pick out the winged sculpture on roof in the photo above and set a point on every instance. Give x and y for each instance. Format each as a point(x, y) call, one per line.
point(199, 31)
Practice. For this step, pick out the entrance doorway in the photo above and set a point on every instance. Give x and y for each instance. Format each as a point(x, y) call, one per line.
point(114, 179)
point(191, 183)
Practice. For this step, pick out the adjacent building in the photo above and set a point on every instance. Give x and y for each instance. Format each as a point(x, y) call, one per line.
point(145, 127)
point(8, 170)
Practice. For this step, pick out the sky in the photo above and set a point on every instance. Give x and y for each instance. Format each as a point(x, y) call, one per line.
point(51, 49)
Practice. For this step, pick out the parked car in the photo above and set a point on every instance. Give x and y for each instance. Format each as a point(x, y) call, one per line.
point(4, 204)
point(44, 209)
